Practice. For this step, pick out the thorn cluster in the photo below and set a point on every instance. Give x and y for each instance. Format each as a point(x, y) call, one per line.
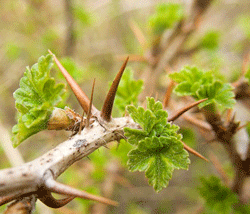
point(50, 185)
point(84, 101)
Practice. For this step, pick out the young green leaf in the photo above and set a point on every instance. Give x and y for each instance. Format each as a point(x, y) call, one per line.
point(199, 84)
point(218, 198)
point(128, 91)
point(210, 40)
point(35, 99)
point(165, 17)
point(159, 149)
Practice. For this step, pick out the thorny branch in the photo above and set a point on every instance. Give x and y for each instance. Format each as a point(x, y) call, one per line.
point(40, 174)
point(37, 179)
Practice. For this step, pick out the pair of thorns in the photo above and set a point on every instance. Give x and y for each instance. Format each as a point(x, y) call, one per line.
point(106, 111)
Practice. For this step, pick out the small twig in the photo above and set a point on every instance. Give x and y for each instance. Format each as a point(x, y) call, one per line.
point(70, 37)
point(138, 33)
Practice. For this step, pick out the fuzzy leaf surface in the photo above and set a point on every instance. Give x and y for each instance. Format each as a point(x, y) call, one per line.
point(35, 99)
point(159, 149)
point(199, 84)
point(165, 17)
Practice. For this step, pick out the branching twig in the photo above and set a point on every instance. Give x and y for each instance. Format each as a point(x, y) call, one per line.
point(40, 174)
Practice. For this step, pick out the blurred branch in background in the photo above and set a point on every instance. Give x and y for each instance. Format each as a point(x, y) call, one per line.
point(70, 29)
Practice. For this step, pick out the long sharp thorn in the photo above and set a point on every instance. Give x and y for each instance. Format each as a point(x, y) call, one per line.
point(189, 149)
point(50, 201)
point(183, 110)
point(54, 186)
point(109, 101)
point(90, 106)
point(80, 95)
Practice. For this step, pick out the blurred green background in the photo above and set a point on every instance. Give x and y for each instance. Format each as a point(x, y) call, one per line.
point(90, 38)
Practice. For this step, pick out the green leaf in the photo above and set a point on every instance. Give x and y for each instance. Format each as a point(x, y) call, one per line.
point(134, 135)
point(159, 149)
point(165, 17)
point(82, 15)
point(218, 93)
point(128, 91)
point(199, 84)
point(247, 75)
point(35, 99)
point(248, 129)
point(158, 162)
point(210, 40)
point(218, 198)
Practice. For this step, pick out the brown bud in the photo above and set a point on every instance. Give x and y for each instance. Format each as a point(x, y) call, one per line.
point(59, 120)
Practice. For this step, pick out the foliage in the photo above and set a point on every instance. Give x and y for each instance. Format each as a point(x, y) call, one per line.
point(247, 75)
point(13, 51)
point(248, 129)
point(159, 149)
point(128, 91)
point(218, 198)
point(35, 99)
point(165, 17)
point(210, 40)
point(82, 15)
point(244, 23)
point(199, 84)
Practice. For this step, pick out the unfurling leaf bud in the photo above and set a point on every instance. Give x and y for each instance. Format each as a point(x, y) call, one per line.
point(63, 119)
